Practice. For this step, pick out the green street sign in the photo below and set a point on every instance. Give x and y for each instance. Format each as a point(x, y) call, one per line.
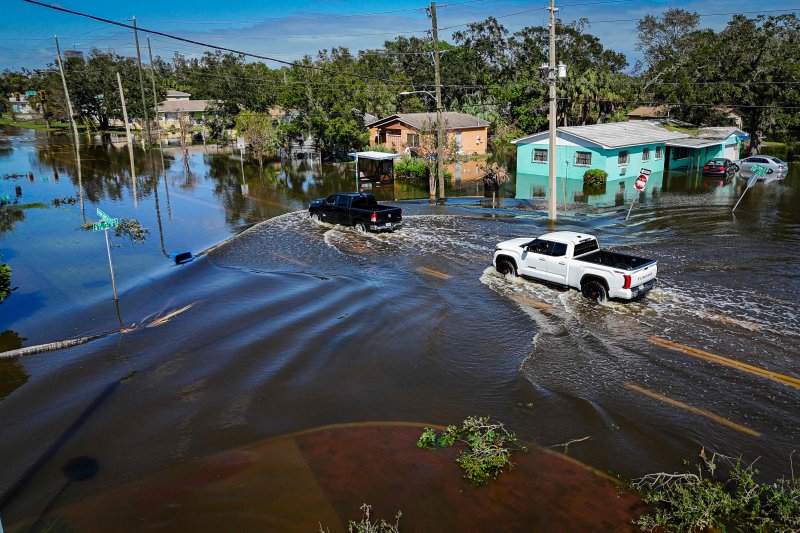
point(105, 224)
point(761, 171)
point(30, 93)
point(103, 215)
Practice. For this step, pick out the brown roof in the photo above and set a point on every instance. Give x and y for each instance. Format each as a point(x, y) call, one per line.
point(185, 106)
point(418, 121)
point(659, 111)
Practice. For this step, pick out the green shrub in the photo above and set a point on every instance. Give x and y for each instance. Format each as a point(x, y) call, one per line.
point(595, 177)
point(411, 167)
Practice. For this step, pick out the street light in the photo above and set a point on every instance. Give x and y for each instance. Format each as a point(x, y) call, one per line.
point(439, 135)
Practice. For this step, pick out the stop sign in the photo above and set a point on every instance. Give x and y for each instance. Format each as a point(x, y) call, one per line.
point(640, 183)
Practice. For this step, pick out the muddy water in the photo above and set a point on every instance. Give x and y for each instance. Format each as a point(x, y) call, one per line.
point(294, 325)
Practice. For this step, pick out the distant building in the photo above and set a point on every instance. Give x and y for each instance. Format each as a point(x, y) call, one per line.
point(73, 53)
point(21, 108)
point(179, 103)
point(733, 117)
point(401, 131)
point(624, 148)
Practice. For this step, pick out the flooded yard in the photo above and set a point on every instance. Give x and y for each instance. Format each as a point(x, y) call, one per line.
point(278, 381)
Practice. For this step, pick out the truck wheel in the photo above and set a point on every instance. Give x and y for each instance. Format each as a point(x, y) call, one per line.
point(506, 267)
point(594, 290)
point(315, 217)
point(360, 227)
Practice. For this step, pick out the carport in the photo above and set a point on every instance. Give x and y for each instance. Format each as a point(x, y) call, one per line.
point(374, 168)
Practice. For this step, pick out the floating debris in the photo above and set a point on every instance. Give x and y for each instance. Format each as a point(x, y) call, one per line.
point(66, 200)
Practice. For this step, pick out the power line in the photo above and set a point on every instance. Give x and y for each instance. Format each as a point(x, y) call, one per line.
point(221, 48)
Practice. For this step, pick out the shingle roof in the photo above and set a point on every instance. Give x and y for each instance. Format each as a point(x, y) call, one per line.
point(616, 134)
point(650, 111)
point(418, 121)
point(184, 106)
point(173, 93)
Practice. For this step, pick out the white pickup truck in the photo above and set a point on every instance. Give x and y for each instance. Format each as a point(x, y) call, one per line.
point(575, 260)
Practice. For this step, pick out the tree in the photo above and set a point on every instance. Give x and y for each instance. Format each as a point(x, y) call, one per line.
point(259, 132)
point(428, 150)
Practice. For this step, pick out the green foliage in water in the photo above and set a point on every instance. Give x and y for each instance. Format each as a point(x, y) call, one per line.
point(5, 281)
point(487, 447)
point(701, 501)
point(595, 177)
point(413, 168)
point(133, 229)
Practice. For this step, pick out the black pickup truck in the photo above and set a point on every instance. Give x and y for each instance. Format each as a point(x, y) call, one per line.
point(359, 210)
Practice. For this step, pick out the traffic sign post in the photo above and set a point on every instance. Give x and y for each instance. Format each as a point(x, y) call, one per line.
point(758, 171)
point(639, 184)
point(104, 225)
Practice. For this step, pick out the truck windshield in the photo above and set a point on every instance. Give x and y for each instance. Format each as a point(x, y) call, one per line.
point(585, 247)
point(364, 202)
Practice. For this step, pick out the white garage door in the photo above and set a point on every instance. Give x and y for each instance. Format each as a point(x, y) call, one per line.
point(730, 151)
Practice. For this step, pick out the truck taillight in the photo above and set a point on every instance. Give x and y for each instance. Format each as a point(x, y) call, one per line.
point(705, 167)
point(627, 284)
point(373, 218)
point(401, 212)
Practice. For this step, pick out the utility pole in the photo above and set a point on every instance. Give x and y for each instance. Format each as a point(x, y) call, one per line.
point(130, 139)
point(72, 120)
point(155, 94)
point(551, 197)
point(440, 142)
point(141, 80)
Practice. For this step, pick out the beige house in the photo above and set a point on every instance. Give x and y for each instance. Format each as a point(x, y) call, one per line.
point(178, 103)
point(401, 131)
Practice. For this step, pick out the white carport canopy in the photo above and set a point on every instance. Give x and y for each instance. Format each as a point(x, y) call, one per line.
point(376, 156)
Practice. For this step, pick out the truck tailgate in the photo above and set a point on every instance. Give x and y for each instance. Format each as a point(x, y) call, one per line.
point(644, 274)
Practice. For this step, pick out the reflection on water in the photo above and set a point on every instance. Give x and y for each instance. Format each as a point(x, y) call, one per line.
point(12, 373)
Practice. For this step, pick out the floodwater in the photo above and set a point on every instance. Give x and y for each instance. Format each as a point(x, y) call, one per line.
point(253, 384)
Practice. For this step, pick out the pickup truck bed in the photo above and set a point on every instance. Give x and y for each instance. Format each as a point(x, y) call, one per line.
point(614, 260)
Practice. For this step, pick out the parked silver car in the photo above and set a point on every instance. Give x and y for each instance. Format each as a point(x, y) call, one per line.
point(773, 164)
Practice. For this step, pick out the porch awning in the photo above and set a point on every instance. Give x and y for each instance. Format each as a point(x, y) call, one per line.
point(695, 143)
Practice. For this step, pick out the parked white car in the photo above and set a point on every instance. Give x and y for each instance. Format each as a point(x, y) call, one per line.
point(773, 164)
point(575, 260)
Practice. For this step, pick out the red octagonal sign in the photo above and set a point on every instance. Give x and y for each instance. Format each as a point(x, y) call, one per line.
point(641, 181)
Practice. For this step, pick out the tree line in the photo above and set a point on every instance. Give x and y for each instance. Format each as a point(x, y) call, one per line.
point(752, 64)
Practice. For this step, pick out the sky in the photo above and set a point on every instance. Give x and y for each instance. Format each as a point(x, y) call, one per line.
point(287, 30)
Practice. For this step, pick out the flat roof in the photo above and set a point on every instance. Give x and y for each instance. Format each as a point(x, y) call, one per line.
point(377, 156)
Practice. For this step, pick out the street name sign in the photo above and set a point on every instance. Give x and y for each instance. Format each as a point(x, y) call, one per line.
point(105, 224)
point(760, 170)
point(103, 215)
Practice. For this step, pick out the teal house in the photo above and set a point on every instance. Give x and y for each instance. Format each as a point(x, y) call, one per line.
point(623, 149)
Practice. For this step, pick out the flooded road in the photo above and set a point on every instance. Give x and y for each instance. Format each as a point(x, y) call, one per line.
point(293, 326)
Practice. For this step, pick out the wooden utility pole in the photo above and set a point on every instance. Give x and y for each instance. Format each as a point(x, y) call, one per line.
point(552, 75)
point(141, 81)
point(72, 121)
point(130, 139)
point(155, 94)
point(440, 142)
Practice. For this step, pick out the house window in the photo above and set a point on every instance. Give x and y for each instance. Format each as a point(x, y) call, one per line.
point(659, 152)
point(412, 139)
point(539, 156)
point(646, 154)
point(395, 133)
point(622, 158)
point(478, 139)
point(583, 159)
